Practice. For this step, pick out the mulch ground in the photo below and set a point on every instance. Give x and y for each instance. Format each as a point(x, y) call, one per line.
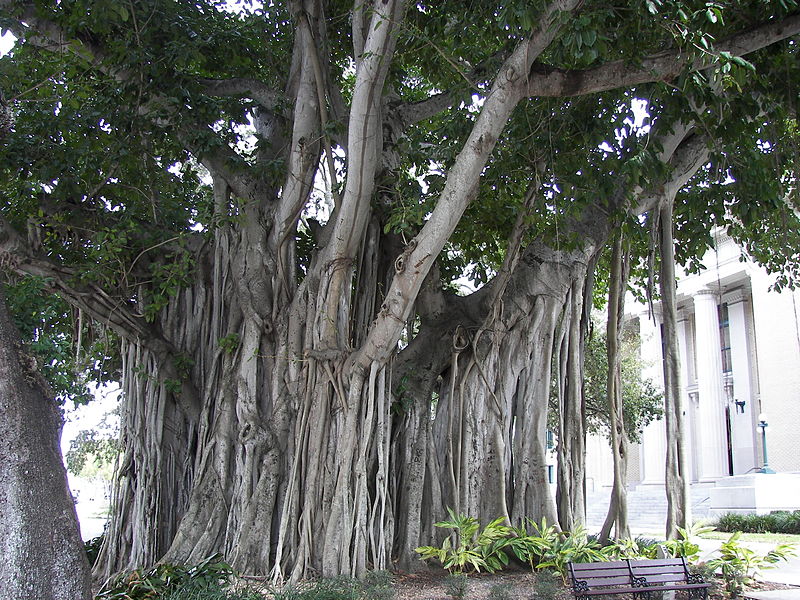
point(510, 586)
point(436, 584)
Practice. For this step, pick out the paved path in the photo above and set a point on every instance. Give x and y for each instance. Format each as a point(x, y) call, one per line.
point(774, 595)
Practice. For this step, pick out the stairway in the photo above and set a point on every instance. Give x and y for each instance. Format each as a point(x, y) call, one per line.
point(647, 507)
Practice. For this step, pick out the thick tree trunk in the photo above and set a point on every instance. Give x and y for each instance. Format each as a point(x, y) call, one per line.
point(262, 476)
point(42, 552)
point(618, 507)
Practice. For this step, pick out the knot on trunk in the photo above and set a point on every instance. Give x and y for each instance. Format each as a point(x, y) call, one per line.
point(400, 261)
point(460, 339)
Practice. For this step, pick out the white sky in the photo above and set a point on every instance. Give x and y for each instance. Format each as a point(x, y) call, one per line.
point(89, 416)
point(6, 43)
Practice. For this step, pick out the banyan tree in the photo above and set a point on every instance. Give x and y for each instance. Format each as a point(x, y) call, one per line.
point(272, 210)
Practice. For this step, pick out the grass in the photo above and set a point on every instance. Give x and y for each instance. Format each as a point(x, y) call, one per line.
point(771, 538)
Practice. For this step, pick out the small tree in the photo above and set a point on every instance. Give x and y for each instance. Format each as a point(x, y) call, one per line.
point(642, 402)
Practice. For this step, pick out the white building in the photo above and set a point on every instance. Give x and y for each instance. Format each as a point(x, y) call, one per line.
point(740, 358)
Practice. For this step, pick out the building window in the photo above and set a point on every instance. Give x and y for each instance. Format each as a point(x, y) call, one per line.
point(725, 338)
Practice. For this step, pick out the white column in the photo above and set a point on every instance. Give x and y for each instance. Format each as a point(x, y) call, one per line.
point(711, 410)
point(688, 416)
point(653, 450)
point(744, 424)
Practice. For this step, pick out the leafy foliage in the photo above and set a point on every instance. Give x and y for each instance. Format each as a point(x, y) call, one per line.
point(473, 548)
point(572, 546)
point(630, 548)
point(101, 445)
point(50, 329)
point(169, 580)
point(642, 402)
point(546, 585)
point(532, 545)
point(685, 545)
point(500, 591)
point(457, 585)
point(740, 565)
point(92, 548)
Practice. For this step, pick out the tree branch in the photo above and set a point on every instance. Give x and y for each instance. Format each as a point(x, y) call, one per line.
point(687, 157)
point(415, 112)
point(241, 87)
point(224, 162)
point(546, 81)
point(460, 187)
point(116, 313)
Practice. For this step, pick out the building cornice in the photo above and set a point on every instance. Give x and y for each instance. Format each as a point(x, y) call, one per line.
point(734, 296)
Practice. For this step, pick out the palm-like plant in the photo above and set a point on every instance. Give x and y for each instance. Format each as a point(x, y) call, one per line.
point(469, 548)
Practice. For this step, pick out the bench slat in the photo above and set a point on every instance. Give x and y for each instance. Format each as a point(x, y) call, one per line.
point(663, 578)
point(600, 572)
point(605, 581)
point(655, 562)
point(612, 564)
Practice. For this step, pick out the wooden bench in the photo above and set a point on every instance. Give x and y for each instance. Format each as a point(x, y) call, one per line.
point(640, 577)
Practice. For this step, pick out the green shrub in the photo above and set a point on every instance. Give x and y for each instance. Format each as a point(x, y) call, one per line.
point(630, 548)
point(546, 586)
point(684, 545)
point(786, 521)
point(190, 593)
point(571, 546)
point(530, 546)
point(474, 549)
point(775, 522)
point(456, 585)
point(500, 591)
point(171, 581)
point(740, 565)
point(92, 548)
point(377, 585)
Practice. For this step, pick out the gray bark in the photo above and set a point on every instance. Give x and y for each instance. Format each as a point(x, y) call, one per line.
point(677, 481)
point(618, 507)
point(40, 543)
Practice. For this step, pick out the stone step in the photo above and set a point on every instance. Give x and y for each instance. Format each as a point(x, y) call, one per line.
point(647, 506)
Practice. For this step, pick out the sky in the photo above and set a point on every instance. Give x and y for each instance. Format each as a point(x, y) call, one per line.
point(6, 43)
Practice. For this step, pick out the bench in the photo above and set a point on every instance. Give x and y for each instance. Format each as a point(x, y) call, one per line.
point(640, 577)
